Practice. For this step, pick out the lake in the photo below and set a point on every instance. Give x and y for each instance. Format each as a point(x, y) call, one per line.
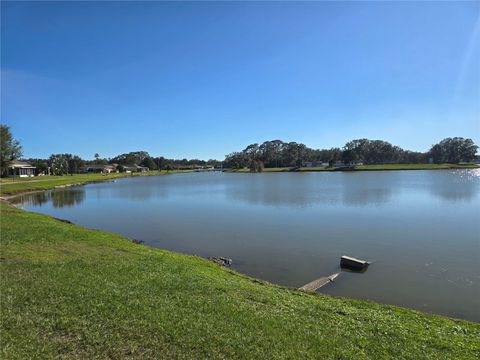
point(420, 229)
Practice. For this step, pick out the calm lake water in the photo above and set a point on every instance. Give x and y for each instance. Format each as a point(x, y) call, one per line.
point(420, 229)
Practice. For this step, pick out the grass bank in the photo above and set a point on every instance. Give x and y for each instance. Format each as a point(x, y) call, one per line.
point(70, 292)
point(12, 186)
point(369, 168)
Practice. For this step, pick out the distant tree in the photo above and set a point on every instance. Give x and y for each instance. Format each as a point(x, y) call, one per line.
point(40, 164)
point(453, 150)
point(251, 151)
point(161, 162)
point(75, 163)
point(121, 168)
point(335, 154)
point(349, 156)
point(214, 163)
point(256, 166)
point(374, 151)
point(168, 167)
point(58, 164)
point(267, 153)
point(134, 157)
point(277, 153)
point(150, 163)
point(293, 154)
point(237, 160)
point(413, 157)
point(10, 149)
point(62, 164)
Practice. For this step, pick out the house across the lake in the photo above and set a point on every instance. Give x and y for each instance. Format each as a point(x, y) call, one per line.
point(135, 168)
point(347, 164)
point(21, 169)
point(97, 168)
point(315, 163)
point(353, 163)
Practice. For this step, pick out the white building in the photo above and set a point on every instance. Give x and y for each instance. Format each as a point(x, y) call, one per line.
point(21, 169)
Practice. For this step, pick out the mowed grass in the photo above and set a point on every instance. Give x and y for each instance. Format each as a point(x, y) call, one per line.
point(11, 186)
point(70, 292)
point(368, 168)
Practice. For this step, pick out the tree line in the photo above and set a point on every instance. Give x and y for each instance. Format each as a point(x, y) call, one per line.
point(63, 164)
point(277, 153)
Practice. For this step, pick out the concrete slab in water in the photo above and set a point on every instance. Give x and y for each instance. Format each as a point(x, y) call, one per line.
point(317, 284)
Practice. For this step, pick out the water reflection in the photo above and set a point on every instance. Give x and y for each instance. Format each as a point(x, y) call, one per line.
point(259, 189)
point(299, 190)
point(59, 198)
point(309, 189)
point(455, 186)
point(280, 190)
point(351, 189)
point(124, 189)
point(362, 189)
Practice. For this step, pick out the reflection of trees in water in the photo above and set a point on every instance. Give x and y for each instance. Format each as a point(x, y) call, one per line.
point(455, 186)
point(288, 189)
point(269, 189)
point(59, 198)
point(143, 192)
point(361, 189)
point(70, 197)
point(138, 189)
point(310, 189)
point(356, 196)
point(36, 199)
point(455, 195)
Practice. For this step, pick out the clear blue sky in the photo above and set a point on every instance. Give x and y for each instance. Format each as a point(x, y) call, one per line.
point(204, 79)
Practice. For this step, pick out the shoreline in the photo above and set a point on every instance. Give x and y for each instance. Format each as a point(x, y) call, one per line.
point(229, 268)
point(393, 167)
point(28, 186)
point(93, 285)
point(7, 198)
point(9, 190)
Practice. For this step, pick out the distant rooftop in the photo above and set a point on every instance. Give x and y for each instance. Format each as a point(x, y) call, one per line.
point(21, 164)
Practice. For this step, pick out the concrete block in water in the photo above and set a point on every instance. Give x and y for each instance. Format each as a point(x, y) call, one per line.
point(353, 263)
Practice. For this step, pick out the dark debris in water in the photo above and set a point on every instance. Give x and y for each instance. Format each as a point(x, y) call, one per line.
point(220, 260)
point(63, 220)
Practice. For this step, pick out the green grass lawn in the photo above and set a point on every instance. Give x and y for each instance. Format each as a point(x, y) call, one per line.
point(11, 186)
point(70, 292)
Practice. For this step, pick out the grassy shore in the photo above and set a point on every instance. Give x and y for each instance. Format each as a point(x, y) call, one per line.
point(12, 186)
point(70, 292)
point(369, 168)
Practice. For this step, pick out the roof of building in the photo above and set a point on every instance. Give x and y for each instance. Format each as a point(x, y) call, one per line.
point(21, 164)
point(134, 166)
point(99, 166)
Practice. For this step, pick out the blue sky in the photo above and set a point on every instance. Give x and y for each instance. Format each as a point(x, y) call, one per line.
point(204, 79)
